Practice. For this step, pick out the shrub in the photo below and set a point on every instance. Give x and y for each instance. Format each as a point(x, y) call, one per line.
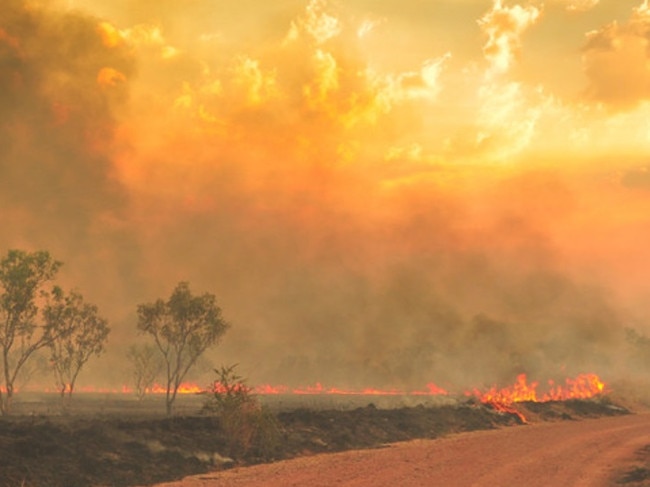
point(249, 428)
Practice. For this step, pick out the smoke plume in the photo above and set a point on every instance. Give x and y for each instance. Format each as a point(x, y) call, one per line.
point(359, 225)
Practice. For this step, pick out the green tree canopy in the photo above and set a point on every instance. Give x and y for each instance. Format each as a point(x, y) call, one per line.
point(24, 279)
point(183, 328)
point(84, 334)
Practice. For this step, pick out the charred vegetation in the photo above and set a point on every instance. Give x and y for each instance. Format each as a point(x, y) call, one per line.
point(122, 445)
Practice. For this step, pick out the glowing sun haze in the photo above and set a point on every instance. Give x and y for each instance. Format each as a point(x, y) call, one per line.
point(378, 192)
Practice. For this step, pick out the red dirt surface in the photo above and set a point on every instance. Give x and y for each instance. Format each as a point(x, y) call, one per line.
point(589, 452)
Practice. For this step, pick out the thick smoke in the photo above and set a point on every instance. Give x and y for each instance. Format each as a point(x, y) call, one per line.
point(57, 184)
point(286, 180)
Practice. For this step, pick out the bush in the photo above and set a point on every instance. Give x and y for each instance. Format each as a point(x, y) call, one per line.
point(249, 428)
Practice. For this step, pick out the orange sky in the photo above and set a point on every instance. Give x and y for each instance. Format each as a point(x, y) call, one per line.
point(306, 98)
point(370, 175)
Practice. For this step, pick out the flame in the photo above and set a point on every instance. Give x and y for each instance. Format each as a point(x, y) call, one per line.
point(318, 389)
point(219, 388)
point(432, 390)
point(584, 386)
point(521, 391)
point(270, 390)
point(183, 388)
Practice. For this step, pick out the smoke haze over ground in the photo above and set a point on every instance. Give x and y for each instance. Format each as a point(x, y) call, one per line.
point(379, 194)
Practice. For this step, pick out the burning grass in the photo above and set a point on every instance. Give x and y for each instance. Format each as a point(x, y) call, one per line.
point(584, 386)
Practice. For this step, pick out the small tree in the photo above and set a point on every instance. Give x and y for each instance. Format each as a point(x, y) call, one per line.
point(146, 365)
point(183, 327)
point(23, 280)
point(84, 335)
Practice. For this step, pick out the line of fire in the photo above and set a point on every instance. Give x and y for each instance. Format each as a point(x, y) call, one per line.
point(583, 386)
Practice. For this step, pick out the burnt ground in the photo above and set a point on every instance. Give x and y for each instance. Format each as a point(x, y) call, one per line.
point(113, 448)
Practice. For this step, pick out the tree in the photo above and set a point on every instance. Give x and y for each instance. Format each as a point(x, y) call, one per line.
point(23, 280)
point(146, 364)
point(183, 327)
point(84, 334)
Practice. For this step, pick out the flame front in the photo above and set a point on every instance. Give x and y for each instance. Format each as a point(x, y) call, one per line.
point(584, 386)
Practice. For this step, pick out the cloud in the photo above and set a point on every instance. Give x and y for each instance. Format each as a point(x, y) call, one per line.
point(322, 94)
point(423, 84)
point(316, 24)
point(326, 80)
point(578, 5)
point(256, 85)
point(504, 27)
point(367, 26)
point(616, 61)
point(507, 119)
point(502, 114)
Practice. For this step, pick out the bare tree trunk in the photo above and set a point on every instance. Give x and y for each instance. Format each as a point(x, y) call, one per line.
point(169, 406)
point(8, 398)
point(168, 401)
point(5, 402)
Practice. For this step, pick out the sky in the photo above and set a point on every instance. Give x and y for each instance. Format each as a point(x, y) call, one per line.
point(379, 193)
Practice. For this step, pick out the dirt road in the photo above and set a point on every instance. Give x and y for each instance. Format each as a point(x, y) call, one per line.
point(581, 453)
